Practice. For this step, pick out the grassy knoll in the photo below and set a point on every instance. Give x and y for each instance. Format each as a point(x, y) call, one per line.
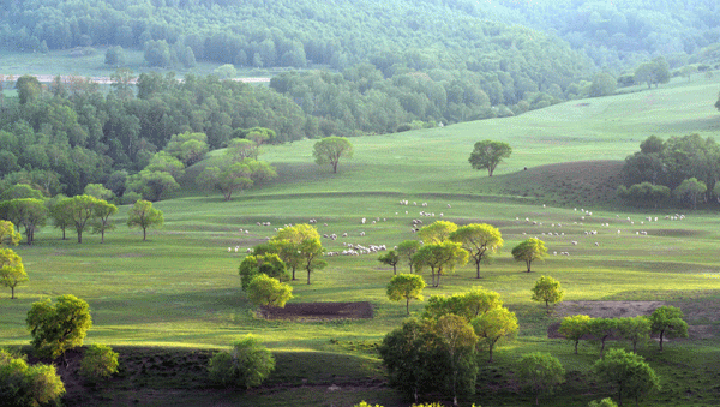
point(180, 289)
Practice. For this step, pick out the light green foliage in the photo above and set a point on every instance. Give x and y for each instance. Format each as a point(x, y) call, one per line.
point(406, 250)
point(189, 148)
point(390, 258)
point(8, 235)
point(653, 72)
point(479, 239)
point(668, 322)
point(226, 71)
point(529, 250)
point(365, 404)
point(574, 327)
point(468, 305)
point(98, 363)
point(635, 329)
point(437, 232)
point(603, 84)
point(59, 210)
point(540, 372)
point(152, 184)
point(99, 191)
point(31, 213)
point(488, 154)
point(407, 287)
point(459, 341)
point(81, 209)
point(266, 290)
point(442, 259)
point(23, 385)
point(601, 329)
point(689, 190)
point(20, 191)
point(269, 263)
point(330, 149)
point(230, 176)
point(143, 215)
point(627, 373)
point(101, 214)
point(646, 194)
point(494, 325)
point(163, 161)
point(307, 241)
point(239, 149)
point(12, 270)
point(548, 290)
point(606, 402)
point(55, 328)
point(245, 366)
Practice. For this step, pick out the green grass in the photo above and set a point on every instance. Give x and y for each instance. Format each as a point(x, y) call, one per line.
point(180, 289)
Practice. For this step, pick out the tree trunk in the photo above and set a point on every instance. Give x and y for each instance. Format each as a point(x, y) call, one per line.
point(395, 269)
point(407, 306)
point(102, 235)
point(79, 232)
point(576, 345)
point(293, 273)
point(528, 265)
point(144, 235)
point(661, 335)
point(308, 277)
point(492, 345)
point(12, 293)
point(334, 165)
point(477, 269)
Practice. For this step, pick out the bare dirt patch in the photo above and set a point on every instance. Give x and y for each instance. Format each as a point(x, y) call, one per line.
point(705, 311)
point(318, 311)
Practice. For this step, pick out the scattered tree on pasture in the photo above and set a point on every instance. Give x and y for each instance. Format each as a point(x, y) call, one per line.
point(406, 250)
point(540, 372)
point(601, 329)
point(494, 325)
point(574, 328)
point(8, 236)
point(653, 72)
point(58, 209)
point(245, 366)
point(437, 232)
point(668, 322)
point(266, 290)
point(12, 270)
point(23, 385)
point(635, 329)
point(98, 363)
point(529, 250)
point(239, 149)
point(487, 154)
point(80, 209)
point(55, 328)
point(306, 239)
point(330, 149)
point(407, 287)
point(269, 263)
point(548, 290)
point(143, 215)
point(230, 176)
point(285, 249)
point(102, 213)
point(477, 239)
point(31, 213)
point(627, 373)
point(468, 305)
point(391, 259)
point(441, 258)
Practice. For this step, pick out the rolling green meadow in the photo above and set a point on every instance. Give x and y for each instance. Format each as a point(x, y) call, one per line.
point(178, 293)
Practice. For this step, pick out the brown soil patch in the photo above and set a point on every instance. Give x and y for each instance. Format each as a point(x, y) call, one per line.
point(704, 311)
point(318, 311)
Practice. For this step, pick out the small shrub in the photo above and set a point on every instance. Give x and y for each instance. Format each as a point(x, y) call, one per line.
point(247, 365)
point(99, 362)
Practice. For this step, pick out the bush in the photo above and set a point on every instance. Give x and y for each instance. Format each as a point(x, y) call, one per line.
point(99, 363)
point(27, 385)
point(247, 365)
point(58, 327)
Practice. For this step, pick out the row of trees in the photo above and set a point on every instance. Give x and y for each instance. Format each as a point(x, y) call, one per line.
point(685, 168)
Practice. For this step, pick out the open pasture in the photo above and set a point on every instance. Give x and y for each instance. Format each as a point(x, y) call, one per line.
point(181, 289)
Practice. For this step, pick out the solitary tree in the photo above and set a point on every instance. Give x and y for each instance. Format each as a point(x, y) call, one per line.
point(477, 239)
point(12, 271)
point(55, 328)
point(494, 325)
point(437, 232)
point(265, 290)
point(331, 149)
point(574, 327)
point(548, 290)
point(540, 372)
point(391, 259)
point(406, 250)
point(667, 321)
point(529, 250)
point(246, 365)
point(143, 215)
point(627, 373)
point(487, 154)
point(407, 287)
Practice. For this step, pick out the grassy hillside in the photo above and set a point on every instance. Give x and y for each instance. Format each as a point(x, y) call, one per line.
point(180, 289)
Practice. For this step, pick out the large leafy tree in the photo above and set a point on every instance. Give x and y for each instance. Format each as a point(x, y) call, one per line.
point(547, 289)
point(635, 329)
point(390, 258)
point(81, 209)
point(12, 270)
point(246, 365)
point(689, 190)
point(268, 263)
point(406, 287)
point(574, 328)
point(494, 325)
point(479, 239)
point(152, 184)
point(330, 149)
point(305, 239)
point(266, 290)
point(458, 339)
point(468, 305)
point(437, 232)
point(529, 250)
point(143, 215)
point(668, 322)
point(540, 372)
point(230, 176)
point(189, 148)
point(101, 214)
point(627, 373)
point(442, 258)
point(57, 327)
point(487, 154)
point(23, 385)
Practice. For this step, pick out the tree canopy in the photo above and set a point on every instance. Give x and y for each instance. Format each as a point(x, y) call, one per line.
point(488, 154)
point(406, 287)
point(477, 239)
point(143, 215)
point(529, 250)
point(330, 149)
point(12, 270)
point(57, 327)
